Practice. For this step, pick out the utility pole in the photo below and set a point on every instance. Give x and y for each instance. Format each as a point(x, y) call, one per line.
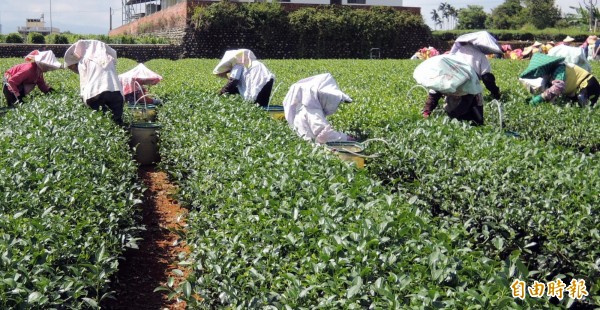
point(51, 29)
point(110, 13)
point(591, 6)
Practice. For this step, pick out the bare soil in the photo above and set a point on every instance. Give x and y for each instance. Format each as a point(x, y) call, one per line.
point(148, 267)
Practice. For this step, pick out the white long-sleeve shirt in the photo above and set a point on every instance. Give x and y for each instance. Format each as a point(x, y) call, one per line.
point(251, 79)
point(308, 102)
point(97, 67)
point(472, 56)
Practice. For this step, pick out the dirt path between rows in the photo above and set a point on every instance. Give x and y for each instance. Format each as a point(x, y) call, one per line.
point(150, 266)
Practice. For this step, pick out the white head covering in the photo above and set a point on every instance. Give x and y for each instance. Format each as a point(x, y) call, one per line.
point(308, 102)
point(233, 57)
point(44, 59)
point(140, 74)
point(96, 65)
point(315, 92)
point(94, 50)
point(483, 40)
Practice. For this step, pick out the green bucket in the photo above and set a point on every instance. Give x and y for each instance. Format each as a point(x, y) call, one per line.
point(142, 113)
point(348, 151)
point(144, 139)
point(276, 111)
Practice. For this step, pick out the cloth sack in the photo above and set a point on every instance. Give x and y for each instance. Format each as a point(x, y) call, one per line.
point(449, 75)
point(571, 54)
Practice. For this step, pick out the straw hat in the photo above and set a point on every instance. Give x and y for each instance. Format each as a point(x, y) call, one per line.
point(537, 43)
point(527, 50)
point(550, 43)
point(568, 39)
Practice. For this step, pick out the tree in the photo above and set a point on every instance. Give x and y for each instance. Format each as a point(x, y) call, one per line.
point(542, 13)
point(508, 15)
point(472, 17)
point(449, 13)
point(581, 16)
point(444, 10)
point(436, 18)
point(453, 15)
point(36, 38)
point(14, 38)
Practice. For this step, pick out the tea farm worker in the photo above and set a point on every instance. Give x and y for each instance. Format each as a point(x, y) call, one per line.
point(246, 76)
point(589, 46)
point(567, 41)
point(21, 79)
point(307, 104)
point(472, 48)
point(547, 47)
point(134, 84)
point(100, 88)
point(573, 55)
point(565, 79)
point(450, 77)
point(536, 47)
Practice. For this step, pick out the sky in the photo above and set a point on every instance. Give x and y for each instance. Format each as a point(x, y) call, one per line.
point(93, 16)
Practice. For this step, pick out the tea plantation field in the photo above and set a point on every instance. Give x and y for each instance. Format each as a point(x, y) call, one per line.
point(448, 216)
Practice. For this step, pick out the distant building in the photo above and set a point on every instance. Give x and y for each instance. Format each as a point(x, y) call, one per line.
point(37, 25)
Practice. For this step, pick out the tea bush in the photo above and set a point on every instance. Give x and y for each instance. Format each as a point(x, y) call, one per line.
point(68, 186)
point(524, 204)
point(447, 216)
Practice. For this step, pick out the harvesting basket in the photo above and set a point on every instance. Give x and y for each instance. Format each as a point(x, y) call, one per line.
point(142, 113)
point(349, 151)
point(144, 139)
point(276, 111)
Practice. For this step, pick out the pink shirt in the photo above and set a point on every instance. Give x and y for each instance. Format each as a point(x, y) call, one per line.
point(27, 74)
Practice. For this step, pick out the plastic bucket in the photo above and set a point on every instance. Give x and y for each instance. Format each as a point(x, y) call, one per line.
point(142, 113)
point(348, 151)
point(276, 111)
point(144, 139)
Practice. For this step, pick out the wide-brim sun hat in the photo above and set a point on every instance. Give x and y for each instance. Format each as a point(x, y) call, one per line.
point(540, 65)
point(44, 58)
point(527, 50)
point(537, 43)
point(568, 39)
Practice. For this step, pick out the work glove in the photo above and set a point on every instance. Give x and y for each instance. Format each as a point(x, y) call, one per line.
point(426, 114)
point(536, 100)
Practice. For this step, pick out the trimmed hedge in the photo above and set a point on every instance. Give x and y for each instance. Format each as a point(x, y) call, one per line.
point(516, 35)
point(313, 32)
